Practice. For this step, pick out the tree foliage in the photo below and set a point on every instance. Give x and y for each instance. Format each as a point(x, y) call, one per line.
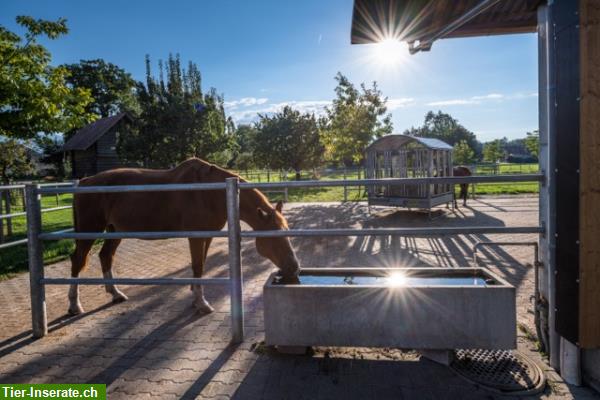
point(177, 120)
point(245, 139)
point(52, 152)
point(354, 120)
point(112, 88)
point(35, 97)
point(493, 151)
point(15, 160)
point(288, 140)
point(532, 142)
point(463, 153)
point(444, 127)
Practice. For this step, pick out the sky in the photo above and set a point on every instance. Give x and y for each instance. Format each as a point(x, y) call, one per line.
point(264, 54)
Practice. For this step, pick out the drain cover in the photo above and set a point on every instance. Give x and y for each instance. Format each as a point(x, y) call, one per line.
point(499, 370)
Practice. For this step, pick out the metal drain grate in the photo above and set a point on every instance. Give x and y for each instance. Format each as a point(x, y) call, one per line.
point(500, 370)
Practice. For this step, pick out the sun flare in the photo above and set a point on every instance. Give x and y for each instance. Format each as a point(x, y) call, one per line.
point(396, 279)
point(390, 52)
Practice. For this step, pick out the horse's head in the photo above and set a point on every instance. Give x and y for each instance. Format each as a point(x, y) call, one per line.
point(277, 249)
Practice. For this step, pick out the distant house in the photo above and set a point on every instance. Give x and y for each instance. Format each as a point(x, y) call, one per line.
point(93, 148)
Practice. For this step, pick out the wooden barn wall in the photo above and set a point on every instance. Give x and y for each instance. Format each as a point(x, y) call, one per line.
point(107, 157)
point(84, 162)
point(589, 292)
point(589, 295)
point(566, 42)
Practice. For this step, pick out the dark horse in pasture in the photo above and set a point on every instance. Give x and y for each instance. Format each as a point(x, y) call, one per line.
point(464, 187)
point(171, 211)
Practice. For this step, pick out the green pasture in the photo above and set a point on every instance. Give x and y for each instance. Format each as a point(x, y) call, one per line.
point(14, 259)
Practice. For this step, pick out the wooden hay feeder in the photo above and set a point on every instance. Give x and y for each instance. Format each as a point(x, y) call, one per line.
point(402, 156)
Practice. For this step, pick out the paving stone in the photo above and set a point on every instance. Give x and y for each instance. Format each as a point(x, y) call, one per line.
point(156, 347)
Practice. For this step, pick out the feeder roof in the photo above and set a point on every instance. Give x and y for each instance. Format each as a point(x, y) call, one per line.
point(395, 141)
point(427, 20)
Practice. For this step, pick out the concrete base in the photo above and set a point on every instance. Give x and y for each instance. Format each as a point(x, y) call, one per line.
point(294, 350)
point(444, 357)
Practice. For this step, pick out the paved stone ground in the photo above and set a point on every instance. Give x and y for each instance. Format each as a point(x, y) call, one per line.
point(155, 346)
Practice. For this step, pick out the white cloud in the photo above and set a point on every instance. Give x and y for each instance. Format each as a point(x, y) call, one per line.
point(491, 96)
point(246, 102)
point(401, 102)
point(454, 102)
point(481, 99)
point(250, 111)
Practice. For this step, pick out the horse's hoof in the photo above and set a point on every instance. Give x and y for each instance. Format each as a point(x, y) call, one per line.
point(76, 309)
point(203, 307)
point(119, 298)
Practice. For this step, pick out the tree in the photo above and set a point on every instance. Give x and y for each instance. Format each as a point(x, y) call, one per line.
point(493, 151)
point(355, 119)
point(52, 152)
point(177, 120)
point(112, 88)
point(245, 139)
point(15, 160)
point(35, 97)
point(532, 142)
point(463, 154)
point(445, 128)
point(288, 140)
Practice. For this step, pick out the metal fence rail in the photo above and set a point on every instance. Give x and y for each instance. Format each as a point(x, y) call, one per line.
point(234, 234)
point(10, 215)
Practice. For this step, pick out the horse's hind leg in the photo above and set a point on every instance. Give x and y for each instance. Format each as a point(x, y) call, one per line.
point(79, 260)
point(199, 250)
point(107, 254)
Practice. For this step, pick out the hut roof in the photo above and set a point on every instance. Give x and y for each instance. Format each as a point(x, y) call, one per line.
point(422, 20)
point(394, 141)
point(89, 134)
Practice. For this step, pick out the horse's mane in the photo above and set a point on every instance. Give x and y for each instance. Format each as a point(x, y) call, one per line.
point(220, 174)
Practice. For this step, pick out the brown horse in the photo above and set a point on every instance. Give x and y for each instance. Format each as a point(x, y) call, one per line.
point(171, 211)
point(464, 187)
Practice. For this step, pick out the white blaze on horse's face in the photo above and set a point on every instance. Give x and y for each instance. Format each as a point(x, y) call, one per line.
point(279, 249)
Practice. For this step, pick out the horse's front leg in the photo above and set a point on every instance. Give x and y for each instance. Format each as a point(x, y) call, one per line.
point(199, 251)
point(107, 254)
point(79, 260)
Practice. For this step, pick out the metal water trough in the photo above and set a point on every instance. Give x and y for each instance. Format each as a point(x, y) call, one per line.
point(429, 308)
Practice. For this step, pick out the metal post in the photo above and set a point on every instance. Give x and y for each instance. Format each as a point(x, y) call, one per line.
point(39, 320)
point(547, 162)
point(235, 266)
point(345, 187)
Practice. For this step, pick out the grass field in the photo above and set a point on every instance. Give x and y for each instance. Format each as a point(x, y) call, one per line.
point(14, 259)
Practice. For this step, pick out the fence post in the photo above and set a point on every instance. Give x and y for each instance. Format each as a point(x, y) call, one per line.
point(232, 193)
point(345, 187)
point(39, 320)
point(285, 194)
point(7, 201)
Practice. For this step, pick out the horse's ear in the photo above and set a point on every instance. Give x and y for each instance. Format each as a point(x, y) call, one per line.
point(279, 206)
point(262, 213)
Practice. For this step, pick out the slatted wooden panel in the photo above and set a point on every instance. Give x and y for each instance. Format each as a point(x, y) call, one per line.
point(589, 291)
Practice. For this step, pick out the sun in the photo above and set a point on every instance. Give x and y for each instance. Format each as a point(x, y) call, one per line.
point(396, 279)
point(389, 52)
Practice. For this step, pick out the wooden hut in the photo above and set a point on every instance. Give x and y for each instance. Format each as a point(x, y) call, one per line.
point(402, 156)
point(93, 148)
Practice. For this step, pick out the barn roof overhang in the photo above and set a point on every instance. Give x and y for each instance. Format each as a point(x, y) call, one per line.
point(89, 134)
point(421, 22)
point(396, 141)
